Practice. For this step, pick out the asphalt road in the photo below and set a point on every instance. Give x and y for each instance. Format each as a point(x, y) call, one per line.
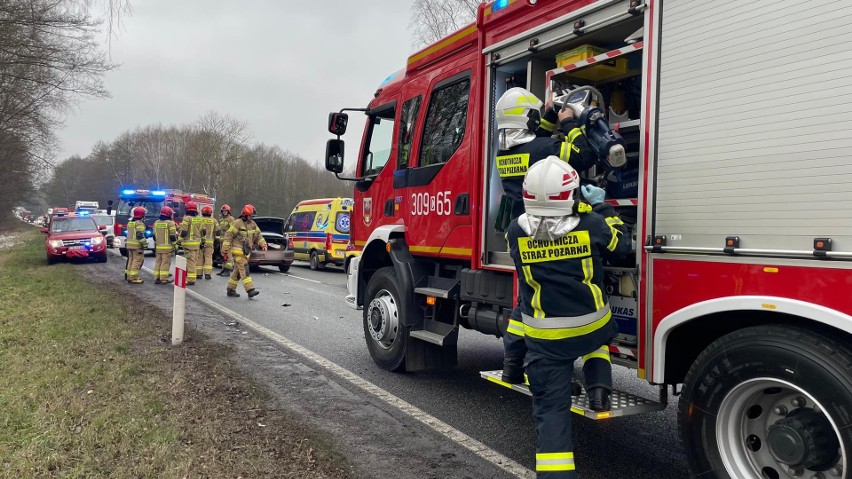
point(307, 308)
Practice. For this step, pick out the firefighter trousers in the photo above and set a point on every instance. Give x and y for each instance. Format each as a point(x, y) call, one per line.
point(135, 258)
point(161, 265)
point(191, 254)
point(550, 384)
point(205, 259)
point(240, 273)
point(597, 365)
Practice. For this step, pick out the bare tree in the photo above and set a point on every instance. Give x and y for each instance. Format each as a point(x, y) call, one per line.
point(432, 20)
point(49, 59)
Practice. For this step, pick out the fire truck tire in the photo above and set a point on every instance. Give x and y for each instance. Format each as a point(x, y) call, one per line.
point(383, 329)
point(123, 251)
point(315, 262)
point(769, 401)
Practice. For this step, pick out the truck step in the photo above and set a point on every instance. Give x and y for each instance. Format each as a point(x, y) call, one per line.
point(434, 332)
point(427, 336)
point(623, 403)
point(436, 292)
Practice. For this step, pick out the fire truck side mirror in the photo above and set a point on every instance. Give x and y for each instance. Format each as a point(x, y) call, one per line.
point(334, 156)
point(109, 208)
point(337, 123)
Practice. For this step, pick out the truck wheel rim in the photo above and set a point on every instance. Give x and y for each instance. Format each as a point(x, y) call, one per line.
point(383, 319)
point(774, 429)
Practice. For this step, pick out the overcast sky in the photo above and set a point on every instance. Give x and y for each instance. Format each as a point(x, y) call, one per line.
point(279, 65)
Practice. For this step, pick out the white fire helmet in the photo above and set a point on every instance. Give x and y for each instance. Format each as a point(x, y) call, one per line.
point(549, 188)
point(518, 108)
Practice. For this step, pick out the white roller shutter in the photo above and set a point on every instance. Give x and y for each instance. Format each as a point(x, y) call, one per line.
point(755, 123)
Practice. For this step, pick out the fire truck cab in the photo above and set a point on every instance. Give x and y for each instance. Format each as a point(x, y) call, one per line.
point(737, 136)
point(153, 201)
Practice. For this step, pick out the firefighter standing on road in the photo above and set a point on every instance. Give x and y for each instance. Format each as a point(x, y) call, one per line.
point(190, 238)
point(224, 224)
point(242, 236)
point(165, 237)
point(209, 232)
point(136, 243)
point(557, 247)
point(525, 140)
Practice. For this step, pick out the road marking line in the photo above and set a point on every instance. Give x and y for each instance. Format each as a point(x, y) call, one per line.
point(304, 279)
point(460, 438)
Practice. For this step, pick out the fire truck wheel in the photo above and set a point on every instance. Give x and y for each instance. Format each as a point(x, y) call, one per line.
point(769, 401)
point(386, 335)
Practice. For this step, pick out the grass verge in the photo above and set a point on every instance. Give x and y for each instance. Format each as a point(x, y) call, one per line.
point(90, 390)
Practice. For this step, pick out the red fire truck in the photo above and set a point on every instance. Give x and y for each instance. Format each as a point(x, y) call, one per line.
point(736, 129)
point(153, 201)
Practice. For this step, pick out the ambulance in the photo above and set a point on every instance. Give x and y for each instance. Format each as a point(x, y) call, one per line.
point(737, 132)
point(318, 232)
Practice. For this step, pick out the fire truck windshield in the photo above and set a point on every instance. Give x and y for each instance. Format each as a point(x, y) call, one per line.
point(152, 207)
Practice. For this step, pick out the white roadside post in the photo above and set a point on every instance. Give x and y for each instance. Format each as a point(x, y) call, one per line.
point(179, 306)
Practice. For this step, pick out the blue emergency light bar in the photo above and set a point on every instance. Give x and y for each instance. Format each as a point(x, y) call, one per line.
point(128, 192)
point(83, 213)
point(499, 5)
point(158, 193)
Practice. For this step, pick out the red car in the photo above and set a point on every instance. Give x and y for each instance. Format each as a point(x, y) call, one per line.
point(74, 237)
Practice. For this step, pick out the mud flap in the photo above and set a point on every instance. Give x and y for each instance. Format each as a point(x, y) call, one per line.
point(420, 355)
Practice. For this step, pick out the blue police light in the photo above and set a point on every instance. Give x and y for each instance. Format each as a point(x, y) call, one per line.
point(499, 5)
point(83, 213)
point(149, 233)
point(158, 193)
point(128, 192)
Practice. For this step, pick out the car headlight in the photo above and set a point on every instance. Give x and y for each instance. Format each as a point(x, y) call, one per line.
point(55, 243)
point(97, 240)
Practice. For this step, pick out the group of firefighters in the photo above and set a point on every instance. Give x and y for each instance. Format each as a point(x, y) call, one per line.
point(557, 243)
point(197, 236)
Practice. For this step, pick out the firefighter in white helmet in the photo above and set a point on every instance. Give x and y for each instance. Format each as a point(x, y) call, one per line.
point(525, 139)
point(557, 246)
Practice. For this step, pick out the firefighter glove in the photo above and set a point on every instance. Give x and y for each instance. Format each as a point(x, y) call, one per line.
point(140, 235)
point(184, 234)
point(593, 194)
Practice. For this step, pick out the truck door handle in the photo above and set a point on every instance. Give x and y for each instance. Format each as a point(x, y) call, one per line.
point(462, 206)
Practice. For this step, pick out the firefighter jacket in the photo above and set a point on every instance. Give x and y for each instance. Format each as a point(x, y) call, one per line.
point(136, 234)
point(242, 236)
point(561, 289)
point(190, 231)
point(210, 229)
point(224, 225)
point(165, 235)
point(512, 164)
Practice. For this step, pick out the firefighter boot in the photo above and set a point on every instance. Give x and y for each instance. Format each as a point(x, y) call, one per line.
point(207, 276)
point(599, 399)
point(135, 280)
point(158, 281)
point(252, 293)
point(233, 293)
point(224, 272)
point(513, 370)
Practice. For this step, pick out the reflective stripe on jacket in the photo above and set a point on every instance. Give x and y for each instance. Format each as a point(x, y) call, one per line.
point(190, 229)
point(136, 234)
point(561, 286)
point(241, 237)
point(164, 232)
point(210, 227)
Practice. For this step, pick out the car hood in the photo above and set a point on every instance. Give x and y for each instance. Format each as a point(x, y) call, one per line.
point(72, 235)
point(270, 224)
